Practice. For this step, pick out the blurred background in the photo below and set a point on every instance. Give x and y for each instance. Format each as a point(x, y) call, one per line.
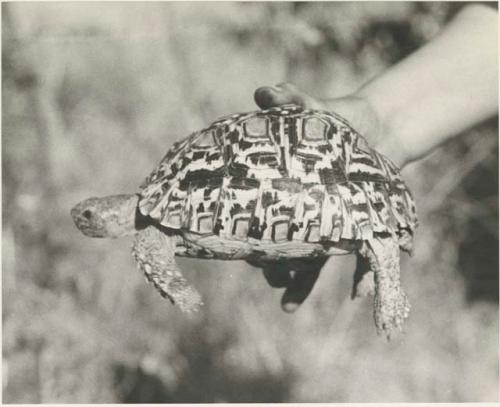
point(94, 94)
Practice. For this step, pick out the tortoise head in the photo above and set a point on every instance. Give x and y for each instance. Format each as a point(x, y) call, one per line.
point(110, 216)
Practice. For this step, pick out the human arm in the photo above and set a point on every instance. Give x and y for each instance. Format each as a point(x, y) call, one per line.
point(445, 87)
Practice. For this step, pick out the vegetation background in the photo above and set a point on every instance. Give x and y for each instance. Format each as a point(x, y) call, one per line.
point(93, 96)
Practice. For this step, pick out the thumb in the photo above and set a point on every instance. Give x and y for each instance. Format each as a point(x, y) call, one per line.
point(282, 94)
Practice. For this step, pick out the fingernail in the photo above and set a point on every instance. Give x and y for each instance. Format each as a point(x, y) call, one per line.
point(289, 307)
point(263, 90)
point(264, 96)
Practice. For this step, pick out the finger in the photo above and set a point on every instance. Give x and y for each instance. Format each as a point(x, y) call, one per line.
point(366, 286)
point(277, 277)
point(298, 289)
point(362, 268)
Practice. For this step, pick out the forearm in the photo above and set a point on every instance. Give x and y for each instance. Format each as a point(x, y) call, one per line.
point(445, 87)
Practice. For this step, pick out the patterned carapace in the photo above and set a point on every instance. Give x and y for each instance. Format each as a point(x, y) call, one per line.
point(286, 174)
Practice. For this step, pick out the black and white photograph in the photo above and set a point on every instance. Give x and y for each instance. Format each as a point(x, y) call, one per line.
point(250, 202)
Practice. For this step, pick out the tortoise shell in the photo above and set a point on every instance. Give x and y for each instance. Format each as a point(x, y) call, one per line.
point(286, 181)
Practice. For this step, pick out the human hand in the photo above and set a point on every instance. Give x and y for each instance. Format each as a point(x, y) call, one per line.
point(297, 281)
point(296, 276)
point(433, 95)
point(355, 108)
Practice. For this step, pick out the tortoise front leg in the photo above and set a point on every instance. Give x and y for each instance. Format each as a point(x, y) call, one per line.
point(154, 252)
point(391, 306)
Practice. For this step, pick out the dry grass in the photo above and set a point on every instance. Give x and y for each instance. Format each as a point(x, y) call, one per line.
point(94, 93)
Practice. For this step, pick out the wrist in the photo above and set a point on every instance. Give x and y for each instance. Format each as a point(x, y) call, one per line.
point(383, 137)
point(358, 111)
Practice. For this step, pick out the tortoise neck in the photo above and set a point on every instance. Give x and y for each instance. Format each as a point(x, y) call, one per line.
point(123, 218)
point(132, 220)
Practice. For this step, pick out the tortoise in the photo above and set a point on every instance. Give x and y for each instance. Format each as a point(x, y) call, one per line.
point(282, 188)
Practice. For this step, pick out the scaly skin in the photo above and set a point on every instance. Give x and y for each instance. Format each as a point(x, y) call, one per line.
point(391, 306)
point(110, 216)
point(154, 252)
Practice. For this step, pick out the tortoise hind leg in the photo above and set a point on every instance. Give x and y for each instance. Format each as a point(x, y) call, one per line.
point(364, 278)
point(298, 276)
point(154, 252)
point(390, 302)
